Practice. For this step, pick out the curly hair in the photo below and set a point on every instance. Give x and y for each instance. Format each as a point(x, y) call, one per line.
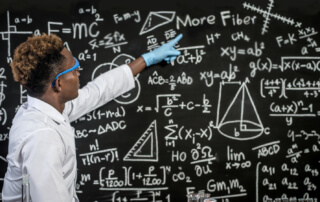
point(36, 62)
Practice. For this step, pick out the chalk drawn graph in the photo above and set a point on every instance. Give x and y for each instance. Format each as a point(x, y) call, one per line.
point(12, 29)
point(267, 14)
point(241, 120)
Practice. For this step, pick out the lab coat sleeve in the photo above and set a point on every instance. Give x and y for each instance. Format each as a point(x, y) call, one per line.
point(101, 90)
point(43, 154)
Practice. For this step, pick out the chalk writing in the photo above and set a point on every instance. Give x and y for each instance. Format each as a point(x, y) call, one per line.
point(235, 115)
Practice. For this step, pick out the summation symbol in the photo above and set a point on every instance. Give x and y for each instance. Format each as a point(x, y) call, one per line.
point(267, 15)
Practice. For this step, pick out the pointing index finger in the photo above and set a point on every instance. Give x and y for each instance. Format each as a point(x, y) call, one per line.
point(175, 40)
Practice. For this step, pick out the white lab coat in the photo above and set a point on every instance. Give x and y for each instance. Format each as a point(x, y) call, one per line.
point(42, 144)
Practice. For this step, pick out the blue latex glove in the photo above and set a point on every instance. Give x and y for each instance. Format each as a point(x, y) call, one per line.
point(165, 52)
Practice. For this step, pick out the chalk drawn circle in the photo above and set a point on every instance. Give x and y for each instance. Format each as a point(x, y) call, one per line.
point(130, 96)
point(241, 130)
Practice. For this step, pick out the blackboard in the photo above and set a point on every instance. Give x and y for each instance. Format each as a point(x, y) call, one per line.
point(236, 115)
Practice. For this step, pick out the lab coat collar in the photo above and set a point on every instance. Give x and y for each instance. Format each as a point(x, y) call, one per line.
point(46, 108)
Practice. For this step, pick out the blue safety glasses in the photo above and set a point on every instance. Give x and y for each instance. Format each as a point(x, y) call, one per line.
point(75, 66)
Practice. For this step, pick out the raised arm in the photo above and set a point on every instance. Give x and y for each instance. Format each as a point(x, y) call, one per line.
point(117, 81)
point(137, 65)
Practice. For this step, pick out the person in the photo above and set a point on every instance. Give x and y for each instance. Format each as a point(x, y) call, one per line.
point(41, 139)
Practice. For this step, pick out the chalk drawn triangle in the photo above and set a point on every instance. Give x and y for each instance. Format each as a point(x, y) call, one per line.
point(146, 148)
point(241, 120)
point(157, 19)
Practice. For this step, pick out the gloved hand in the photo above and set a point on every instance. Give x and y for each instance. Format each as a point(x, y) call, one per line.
point(165, 52)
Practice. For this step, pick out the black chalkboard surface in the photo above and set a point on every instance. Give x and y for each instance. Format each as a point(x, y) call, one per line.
point(236, 115)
